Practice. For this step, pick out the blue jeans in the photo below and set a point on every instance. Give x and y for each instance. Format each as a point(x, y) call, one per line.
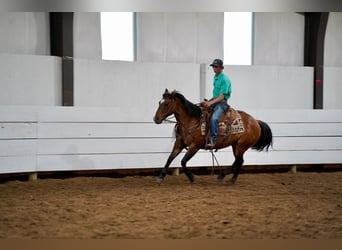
point(219, 109)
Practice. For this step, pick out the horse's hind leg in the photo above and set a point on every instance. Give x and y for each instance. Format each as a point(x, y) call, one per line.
point(223, 173)
point(238, 151)
point(236, 168)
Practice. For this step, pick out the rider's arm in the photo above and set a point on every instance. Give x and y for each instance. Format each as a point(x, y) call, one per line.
point(220, 98)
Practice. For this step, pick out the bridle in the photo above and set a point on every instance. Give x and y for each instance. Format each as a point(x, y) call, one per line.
point(169, 117)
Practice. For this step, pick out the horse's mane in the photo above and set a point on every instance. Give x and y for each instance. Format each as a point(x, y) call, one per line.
point(191, 109)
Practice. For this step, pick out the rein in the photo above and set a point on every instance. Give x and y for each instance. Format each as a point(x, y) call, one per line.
point(213, 157)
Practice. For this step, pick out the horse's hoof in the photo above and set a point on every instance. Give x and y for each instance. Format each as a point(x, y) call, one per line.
point(191, 177)
point(231, 182)
point(159, 180)
point(220, 179)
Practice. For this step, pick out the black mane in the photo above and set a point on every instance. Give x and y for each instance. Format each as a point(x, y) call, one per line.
point(191, 109)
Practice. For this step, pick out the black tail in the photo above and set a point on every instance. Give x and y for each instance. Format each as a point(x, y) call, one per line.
point(266, 138)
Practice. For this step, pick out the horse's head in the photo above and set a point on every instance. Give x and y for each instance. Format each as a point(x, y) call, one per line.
point(166, 107)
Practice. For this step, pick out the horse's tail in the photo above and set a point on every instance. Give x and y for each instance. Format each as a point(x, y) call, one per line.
point(265, 139)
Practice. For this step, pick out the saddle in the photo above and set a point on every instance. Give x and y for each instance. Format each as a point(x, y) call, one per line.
point(229, 123)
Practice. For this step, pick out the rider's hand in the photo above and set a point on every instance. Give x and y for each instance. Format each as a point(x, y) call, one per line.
point(205, 104)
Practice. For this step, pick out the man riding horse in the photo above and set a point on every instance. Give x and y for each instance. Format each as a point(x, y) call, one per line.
point(239, 129)
point(221, 93)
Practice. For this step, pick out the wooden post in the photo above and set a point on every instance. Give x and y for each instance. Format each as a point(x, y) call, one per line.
point(33, 176)
point(293, 169)
point(175, 172)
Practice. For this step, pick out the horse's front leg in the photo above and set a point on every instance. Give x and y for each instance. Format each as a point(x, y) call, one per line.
point(189, 154)
point(177, 148)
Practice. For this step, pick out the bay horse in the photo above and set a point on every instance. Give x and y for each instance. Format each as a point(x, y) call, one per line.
point(256, 135)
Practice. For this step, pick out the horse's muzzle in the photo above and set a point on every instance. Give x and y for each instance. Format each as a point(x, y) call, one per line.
point(157, 121)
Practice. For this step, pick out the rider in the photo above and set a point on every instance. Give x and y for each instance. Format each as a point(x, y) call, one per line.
point(221, 93)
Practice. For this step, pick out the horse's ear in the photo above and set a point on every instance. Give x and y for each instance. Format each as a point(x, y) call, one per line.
point(167, 94)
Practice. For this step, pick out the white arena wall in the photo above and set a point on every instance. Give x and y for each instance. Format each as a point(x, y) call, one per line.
point(264, 87)
point(278, 39)
point(179, 36)
point(38, 139)
point(30, 80)
point(332, 88)
point(126, 84)
point(333, 62)
point(132, 84)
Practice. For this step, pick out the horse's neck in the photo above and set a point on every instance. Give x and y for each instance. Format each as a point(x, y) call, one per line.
point(185, 119)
